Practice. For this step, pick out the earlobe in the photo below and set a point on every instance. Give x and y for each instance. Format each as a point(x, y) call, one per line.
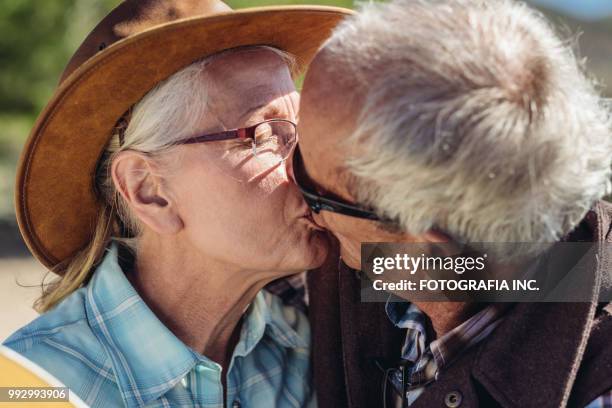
point(442, 244)
point(436, 236)
point(144, 193)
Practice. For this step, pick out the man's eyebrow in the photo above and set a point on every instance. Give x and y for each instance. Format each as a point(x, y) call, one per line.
point(302, 169)
point(344, 176)
point(352, 181)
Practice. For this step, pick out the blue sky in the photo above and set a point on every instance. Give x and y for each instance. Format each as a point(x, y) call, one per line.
point(584, 9)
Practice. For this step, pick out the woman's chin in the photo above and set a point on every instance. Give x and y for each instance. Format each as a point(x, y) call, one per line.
point(314, 250)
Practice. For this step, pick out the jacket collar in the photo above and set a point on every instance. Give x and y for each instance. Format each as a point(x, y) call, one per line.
point(539, 346)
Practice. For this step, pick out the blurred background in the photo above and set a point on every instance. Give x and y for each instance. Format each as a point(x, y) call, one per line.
point(37, 38)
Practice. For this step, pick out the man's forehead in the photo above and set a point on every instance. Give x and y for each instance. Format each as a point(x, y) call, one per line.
point(327, 120)
point(322, 134)
point(324, 108)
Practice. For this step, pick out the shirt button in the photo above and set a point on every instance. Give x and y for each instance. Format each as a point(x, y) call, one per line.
point(236, 404)
point(453, 399)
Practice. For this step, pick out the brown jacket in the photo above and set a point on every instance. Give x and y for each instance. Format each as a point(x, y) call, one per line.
point(542, 355)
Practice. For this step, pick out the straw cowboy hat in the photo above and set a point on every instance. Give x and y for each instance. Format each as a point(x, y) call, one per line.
point(137, 45)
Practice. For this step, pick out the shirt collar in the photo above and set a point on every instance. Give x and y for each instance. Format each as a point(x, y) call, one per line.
point(147, 357)
point(419, 339)
point(267, 314)
point(405, 315)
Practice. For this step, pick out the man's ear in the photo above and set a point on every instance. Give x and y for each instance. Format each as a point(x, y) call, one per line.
point(436, 236)
point(142, 189)
point(442, 244)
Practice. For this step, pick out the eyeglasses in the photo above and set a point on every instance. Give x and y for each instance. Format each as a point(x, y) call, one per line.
point(394, 393)
point(273, 136)
point(318, 202)
point(397, 382)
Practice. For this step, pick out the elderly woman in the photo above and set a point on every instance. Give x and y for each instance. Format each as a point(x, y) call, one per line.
point(155, 187)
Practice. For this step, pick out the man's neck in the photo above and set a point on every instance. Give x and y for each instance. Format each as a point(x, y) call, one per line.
point(445, 316)
point(199, 300)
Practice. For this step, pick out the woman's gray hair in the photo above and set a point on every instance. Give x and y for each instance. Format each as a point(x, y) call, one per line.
point(477, 119)
point(168, 113)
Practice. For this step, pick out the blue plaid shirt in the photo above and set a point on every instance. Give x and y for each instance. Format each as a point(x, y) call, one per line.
point(109, 348)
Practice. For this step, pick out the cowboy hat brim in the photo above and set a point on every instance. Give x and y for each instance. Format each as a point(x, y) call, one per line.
point(55, 200)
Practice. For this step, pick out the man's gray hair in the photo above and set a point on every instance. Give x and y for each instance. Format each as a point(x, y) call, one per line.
point(478, 120)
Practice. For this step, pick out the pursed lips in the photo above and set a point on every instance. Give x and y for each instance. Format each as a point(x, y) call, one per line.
point(308, 216)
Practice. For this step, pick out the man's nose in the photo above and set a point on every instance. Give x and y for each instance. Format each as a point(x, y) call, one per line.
point(319, 220)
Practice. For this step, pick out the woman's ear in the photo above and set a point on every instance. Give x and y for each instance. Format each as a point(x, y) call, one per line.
point(144, 192)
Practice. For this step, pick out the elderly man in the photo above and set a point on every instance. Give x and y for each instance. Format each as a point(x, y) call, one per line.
point(462, 119)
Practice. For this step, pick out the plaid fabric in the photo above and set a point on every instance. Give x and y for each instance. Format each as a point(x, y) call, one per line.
point(603, 401)
point(109, 348)
point(292, 291)
point(423, 359)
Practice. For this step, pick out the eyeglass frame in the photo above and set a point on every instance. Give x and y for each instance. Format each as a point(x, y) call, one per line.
point(315, 201)
point(318, 202)
point(240, 133)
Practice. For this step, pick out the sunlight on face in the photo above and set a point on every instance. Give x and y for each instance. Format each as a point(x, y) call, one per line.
point(237, 207)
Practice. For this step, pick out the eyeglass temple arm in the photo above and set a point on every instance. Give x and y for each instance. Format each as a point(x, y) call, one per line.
point(245, 133)
point(317, 204)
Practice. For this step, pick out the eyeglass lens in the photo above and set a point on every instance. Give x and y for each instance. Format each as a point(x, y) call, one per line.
point(274, 137)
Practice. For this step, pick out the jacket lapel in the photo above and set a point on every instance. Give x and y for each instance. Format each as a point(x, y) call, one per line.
point(369, 342)
point(349, 337)
point(532, 358)
point(324, 314)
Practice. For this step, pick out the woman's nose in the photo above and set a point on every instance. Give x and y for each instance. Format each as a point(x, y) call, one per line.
point(289, 168)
